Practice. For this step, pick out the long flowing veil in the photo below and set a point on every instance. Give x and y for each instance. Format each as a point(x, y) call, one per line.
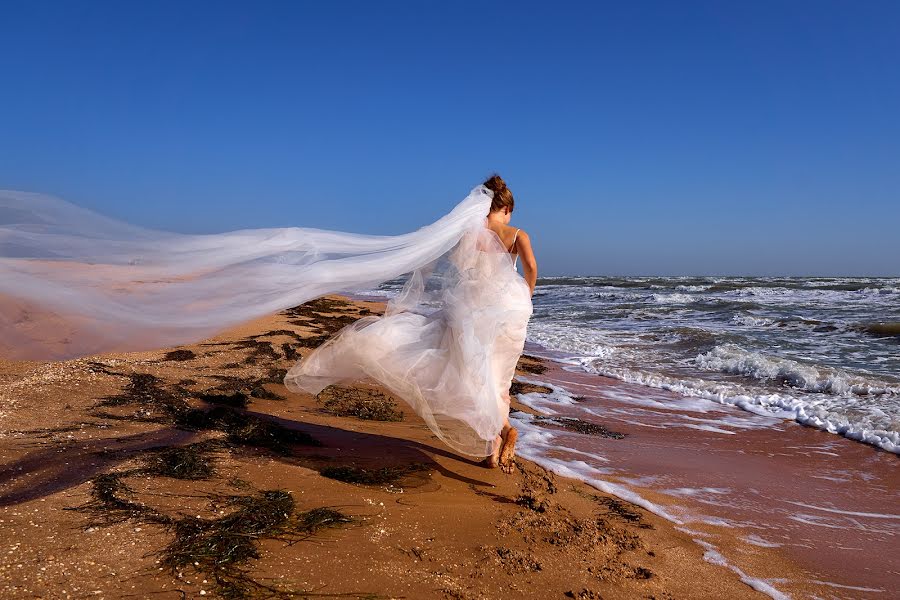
point(74, 282)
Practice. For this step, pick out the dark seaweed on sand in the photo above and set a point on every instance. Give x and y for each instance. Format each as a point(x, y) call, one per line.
point(220, 547)
point(277, 332)
point(531, 364)
point(179, 355)
point(330, 316)
point(158, 403)
point(379, 476)
point(154, 402)
point(247, 430)
point(579, 426)
point(192, 462)
point(362, 403)
point(260, 350)
point(236, 400)
point(519, 387)
point(251, 386)
point(290, 353)
point(313, 341)
point(622, 510)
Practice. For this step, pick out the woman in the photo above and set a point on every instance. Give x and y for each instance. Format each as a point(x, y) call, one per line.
point(520, 247)
point(447, 344)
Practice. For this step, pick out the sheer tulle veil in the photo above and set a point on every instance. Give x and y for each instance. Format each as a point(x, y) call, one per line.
point(74, 282)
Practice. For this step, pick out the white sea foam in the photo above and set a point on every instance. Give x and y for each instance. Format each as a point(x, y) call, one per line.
point(729, 358)
point(880, 291)
point(855, 588)
point(696, 491)
point(805, 411)
point(815, 521)
point(692, 288)
point(845, 512)
point(584, 341)
point(535, 442)
point(712, 555)
point(674, 298)
point(710, 428)
point(752, 321)
point(546, 403)
point(758, 541)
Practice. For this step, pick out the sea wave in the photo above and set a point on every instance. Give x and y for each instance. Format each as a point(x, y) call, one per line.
point(732, 359)
point(675, 298)
point(752, 321)
point(871, 425)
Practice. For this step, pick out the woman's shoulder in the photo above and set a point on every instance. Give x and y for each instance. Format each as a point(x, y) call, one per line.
point(519, 233)
point(509, 234)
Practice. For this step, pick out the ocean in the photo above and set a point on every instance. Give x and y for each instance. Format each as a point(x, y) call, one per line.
point(822, 351)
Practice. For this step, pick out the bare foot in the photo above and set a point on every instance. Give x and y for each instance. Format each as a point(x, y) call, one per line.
point(508, 451)
point(493, 461)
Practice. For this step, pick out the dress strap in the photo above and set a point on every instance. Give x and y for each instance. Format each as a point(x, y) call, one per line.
point(513, 245)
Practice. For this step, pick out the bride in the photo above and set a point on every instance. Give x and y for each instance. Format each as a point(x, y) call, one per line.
point(447, 344)
point(452, 357)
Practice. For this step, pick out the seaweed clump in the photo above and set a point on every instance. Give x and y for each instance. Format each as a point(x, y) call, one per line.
point(380, 476)
point(623, 511)
point(155, 403)
point(579, 426)
point(158, 404)
point(244, 429)
point(235, 400)
point(253, 387)
point(192, 462)
point(180, 355)
point(531, 364)
point(519, 387)
point(362, 403)
point(221, 547)
point(260, 350)
point(328, 315)
point(108, 505)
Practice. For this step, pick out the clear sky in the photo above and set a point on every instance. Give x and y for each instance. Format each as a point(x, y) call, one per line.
point(754, 137)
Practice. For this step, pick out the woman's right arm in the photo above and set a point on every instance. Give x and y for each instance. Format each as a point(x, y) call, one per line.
point(529, 264)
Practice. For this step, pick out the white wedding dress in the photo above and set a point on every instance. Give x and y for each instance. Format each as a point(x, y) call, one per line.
point(74, 283)
point(447, 345)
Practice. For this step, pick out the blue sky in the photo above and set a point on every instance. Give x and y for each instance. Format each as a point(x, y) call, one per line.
point(639, 138)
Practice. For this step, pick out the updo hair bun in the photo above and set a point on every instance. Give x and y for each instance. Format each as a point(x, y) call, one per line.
point(503, 198)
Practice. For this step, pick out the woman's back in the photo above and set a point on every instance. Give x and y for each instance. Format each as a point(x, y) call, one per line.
point(508, 236)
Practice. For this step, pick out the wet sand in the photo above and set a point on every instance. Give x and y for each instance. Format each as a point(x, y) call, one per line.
point(192, 471)
point(753, 488)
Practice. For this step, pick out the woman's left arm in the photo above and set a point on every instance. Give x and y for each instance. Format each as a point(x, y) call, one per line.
point(529, 264)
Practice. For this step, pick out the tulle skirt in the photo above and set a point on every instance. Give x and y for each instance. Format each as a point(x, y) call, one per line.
point(447, 345)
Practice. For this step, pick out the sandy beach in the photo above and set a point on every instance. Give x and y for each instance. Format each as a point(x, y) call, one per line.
point(192, 471)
